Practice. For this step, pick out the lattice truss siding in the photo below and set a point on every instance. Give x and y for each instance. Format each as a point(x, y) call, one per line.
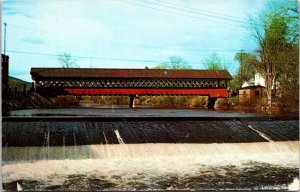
point(133, 83)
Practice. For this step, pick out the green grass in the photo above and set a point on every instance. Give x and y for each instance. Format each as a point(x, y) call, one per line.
point(15, 82)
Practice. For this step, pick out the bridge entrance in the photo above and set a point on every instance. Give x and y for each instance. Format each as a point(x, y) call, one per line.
point(51, 82)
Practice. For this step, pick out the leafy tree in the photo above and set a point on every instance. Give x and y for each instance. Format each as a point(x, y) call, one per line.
point(278, 46)
point(213, 62)
point(67, 61)
point(174, 62)
point(247, 68)
point(234, 84)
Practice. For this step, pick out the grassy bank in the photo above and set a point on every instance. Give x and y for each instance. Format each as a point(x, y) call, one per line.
point(155, 101)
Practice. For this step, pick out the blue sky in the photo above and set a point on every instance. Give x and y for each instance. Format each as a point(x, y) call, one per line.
point(125, 34)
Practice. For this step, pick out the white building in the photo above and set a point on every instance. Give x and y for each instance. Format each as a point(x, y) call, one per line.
point(258, 80)
point(252, 89)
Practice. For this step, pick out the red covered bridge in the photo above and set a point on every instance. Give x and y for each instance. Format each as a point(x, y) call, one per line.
point(92, 81)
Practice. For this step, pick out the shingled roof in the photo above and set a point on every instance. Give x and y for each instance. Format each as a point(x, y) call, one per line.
point(38, 73)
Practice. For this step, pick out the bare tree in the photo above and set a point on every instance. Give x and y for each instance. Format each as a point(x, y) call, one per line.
point(213, 62)
point(67, 61)
point(174, 62)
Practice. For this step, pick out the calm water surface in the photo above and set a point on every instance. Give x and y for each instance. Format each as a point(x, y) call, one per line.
point(125, 112)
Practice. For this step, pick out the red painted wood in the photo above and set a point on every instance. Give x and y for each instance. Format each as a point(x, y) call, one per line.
point(219, 92)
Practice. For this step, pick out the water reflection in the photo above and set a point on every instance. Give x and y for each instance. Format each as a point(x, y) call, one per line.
point(125, 112)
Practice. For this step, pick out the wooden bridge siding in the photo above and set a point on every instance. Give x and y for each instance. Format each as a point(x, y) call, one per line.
point(85, 81)
point(130, 83)
point(215, 92)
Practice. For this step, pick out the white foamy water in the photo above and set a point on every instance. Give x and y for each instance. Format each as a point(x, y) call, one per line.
point(294, 186)
point(229, 151)
point(260, 133)
point(120, 139)
point(140, 162)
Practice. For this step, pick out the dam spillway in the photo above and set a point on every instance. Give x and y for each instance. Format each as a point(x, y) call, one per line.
point(149, 153)
point(74, 131)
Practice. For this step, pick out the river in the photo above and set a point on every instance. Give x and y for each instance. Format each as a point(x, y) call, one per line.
point(159, 154)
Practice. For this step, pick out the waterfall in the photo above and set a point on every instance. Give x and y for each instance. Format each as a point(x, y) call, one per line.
point(48, 144)
point(112, 109)
point(260, 134)
point(232, 151)
point(153, 165)
point(19, 187)
point(294, 186)
point(74, 138)
point(120, 139)
point(64, 146)
point(5, 148)
point(148, 154)
point(106, 142)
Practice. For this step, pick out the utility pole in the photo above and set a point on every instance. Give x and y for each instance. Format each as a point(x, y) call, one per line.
point(4, 38)
point(241, 70)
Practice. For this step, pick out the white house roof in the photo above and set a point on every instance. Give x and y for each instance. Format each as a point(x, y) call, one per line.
point(258, 80)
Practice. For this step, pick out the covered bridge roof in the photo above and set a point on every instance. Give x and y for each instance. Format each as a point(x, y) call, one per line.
point(38, 73)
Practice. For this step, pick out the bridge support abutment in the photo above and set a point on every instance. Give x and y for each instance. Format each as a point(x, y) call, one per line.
point(134, 101)
point(131, 101)
point(210, 103)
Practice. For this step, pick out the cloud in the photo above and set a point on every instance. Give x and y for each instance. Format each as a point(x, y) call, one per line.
point(119, 29)
point(6, 9)
point(33, 40)
point(14, 8)
point(19, 13)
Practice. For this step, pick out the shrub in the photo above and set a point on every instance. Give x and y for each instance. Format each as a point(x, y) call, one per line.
point(228, 103)
point(65, 101)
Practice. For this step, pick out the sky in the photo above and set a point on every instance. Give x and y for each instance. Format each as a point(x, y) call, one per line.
point(125, 33)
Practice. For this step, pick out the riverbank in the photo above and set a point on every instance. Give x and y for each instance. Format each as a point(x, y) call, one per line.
point(36, 101)
point(30, 101)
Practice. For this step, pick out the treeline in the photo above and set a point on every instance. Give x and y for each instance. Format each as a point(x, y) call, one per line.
point(150, 101)
point(276, 34)
point(146, 101)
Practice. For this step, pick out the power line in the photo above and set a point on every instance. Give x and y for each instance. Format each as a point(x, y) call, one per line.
point(5, 24)
point(99, 58)
point(83, 57)
point(191, 16)
point(189, 10)
point(208, 12)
